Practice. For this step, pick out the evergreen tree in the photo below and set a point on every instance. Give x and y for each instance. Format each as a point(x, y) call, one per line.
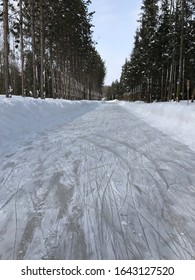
point(162, 59)
point(57, 54)
point(148, 31)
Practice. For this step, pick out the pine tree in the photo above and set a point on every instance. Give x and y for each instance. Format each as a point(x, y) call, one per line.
point(163, 58)
point(166, 47)
point(57, 54)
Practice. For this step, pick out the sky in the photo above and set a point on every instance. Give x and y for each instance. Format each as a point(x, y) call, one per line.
point(115, 24)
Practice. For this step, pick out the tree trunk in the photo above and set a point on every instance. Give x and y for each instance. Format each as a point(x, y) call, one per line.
point(162, 84)
point(181, 51)
point(52, 72)
point(6, 47)
point(22, 48)
point(170, 83)
point(32, 14)
point(42, 39)
point(183, 79)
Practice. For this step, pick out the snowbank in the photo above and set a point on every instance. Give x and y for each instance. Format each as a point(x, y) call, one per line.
point(22, 118)
point(175, 119)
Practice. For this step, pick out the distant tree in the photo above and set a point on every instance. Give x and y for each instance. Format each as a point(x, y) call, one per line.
point(114, 91)
point(132, 71)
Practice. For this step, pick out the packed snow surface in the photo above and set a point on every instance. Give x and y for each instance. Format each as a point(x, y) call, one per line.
point(96, 180)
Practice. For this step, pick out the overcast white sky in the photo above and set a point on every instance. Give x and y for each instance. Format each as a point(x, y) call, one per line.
point(115, 24)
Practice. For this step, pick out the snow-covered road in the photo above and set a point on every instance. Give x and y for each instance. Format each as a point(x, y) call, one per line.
point(105, 185)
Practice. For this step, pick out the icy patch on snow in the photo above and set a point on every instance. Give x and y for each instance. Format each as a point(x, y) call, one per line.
point(175, 119)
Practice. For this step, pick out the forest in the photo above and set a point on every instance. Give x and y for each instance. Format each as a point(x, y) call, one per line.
point(47, 50)
point(161, 66)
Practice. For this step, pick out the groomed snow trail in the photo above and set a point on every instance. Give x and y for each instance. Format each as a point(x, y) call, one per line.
point(105, 185)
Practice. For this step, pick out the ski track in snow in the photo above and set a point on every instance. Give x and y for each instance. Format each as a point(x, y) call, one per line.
point(104, 186)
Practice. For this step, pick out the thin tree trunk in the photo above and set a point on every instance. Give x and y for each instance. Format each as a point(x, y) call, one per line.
point(166, 85)
point(52, 73)
point(170, 83)
point(22, 47)
point(174, 81)
point(42, 39)
point(181, 51)
point(162, 84)
point(183, 78)
point(6, 46)
point(32, 13)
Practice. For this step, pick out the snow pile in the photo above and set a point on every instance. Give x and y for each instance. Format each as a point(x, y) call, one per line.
point(173, 118)
point(22, 118)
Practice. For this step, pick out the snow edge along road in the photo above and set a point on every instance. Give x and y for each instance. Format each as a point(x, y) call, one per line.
point(172, 118)
point(22, 119)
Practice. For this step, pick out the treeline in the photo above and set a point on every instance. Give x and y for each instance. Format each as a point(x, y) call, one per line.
point(162, 64)
point(47, 50)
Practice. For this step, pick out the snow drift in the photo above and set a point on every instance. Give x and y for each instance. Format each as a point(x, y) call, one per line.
point(173, 118)
point(22, 118)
